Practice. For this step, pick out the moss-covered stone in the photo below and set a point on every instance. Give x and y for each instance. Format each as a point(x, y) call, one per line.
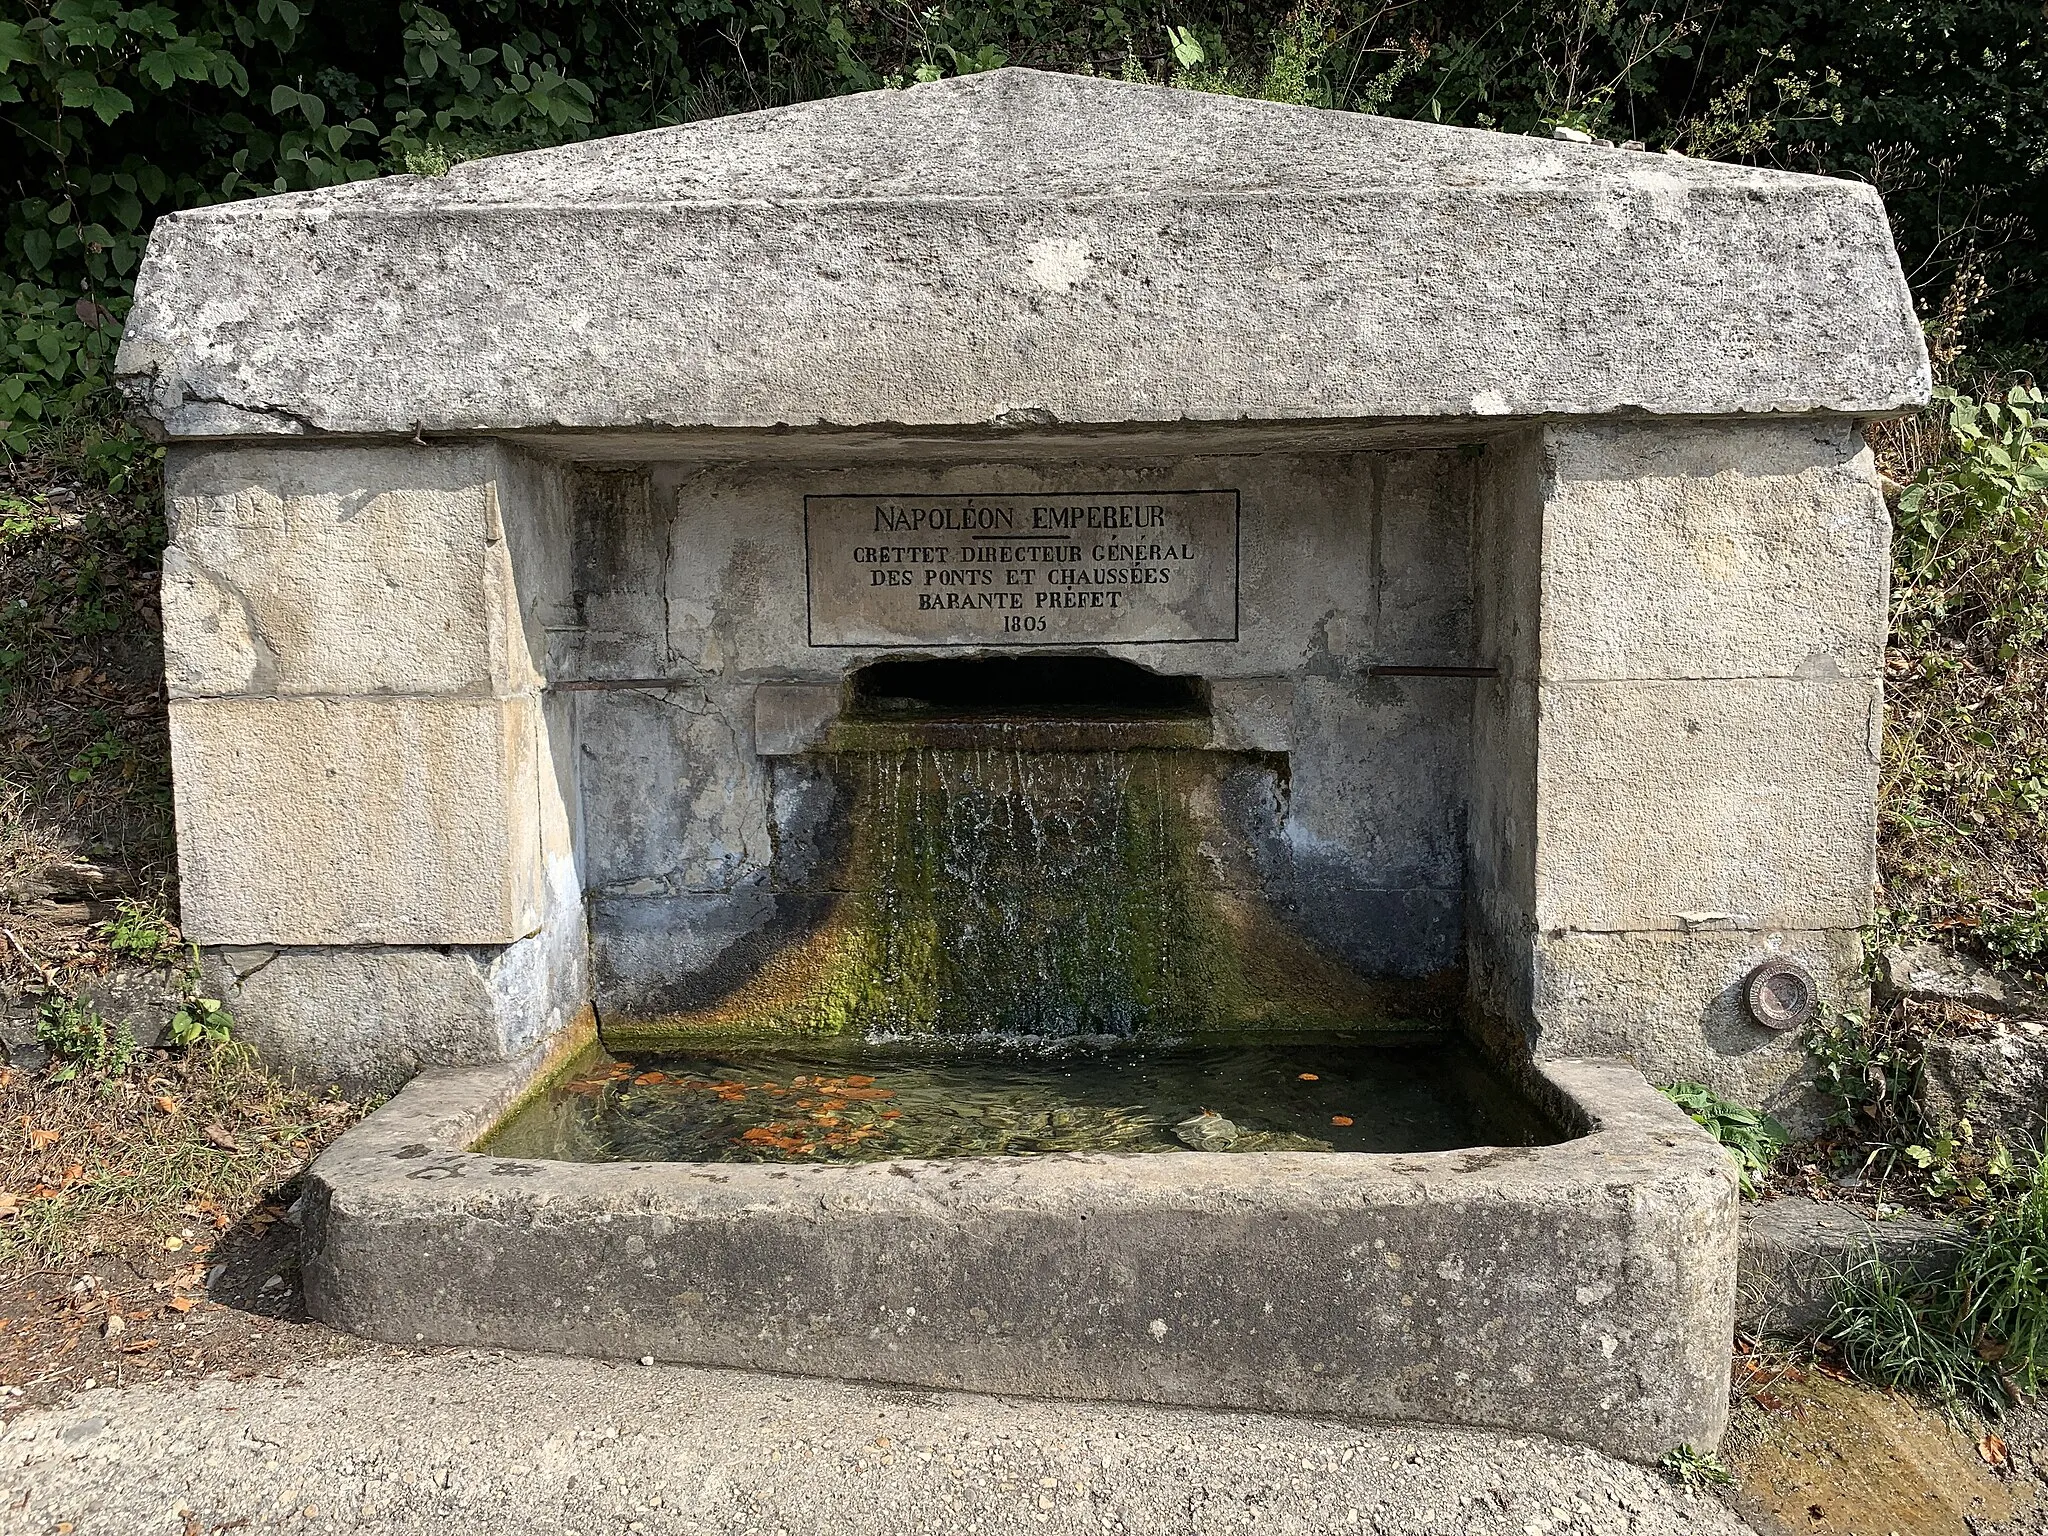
point(1014, 892)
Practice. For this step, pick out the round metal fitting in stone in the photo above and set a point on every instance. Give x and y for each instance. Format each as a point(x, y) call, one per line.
point(1782, 994)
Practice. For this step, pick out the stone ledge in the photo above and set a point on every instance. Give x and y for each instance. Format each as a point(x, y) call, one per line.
point(1928, 973)
point(1583, 1290)
point(1794, 1251)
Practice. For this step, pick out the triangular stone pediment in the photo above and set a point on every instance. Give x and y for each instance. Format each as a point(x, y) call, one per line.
point(1023, 133)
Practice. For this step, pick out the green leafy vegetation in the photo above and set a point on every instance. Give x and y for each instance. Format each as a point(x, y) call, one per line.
point(2019, 939)
point(1965, 819)
point(1971, 1330)
point(1751, 1137)
point(1865, 1070)
point(1695, 1469)
point(80, 1041)
point(139, 931)
point(199, 1019)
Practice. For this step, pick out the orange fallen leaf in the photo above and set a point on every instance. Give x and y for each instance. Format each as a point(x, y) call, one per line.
point(1310, 1077)
point(1992, 1449)
point(858, 1082)
point(648, 1079)
point(167, 1104)
point(1340, 1120)
point(180, 1303)
point(37, 1140)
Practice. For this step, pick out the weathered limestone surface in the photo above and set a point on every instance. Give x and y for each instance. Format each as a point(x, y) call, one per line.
point(356, 638)
point(695, 573)
point(1673, 1003)
point(341, 570)
point(1676, 771)
point(1928, 973)
point(944, 255)
point(1999, 1085)
point(358, 820)
point(1507, 590)
point(368, 1017)
point(1584, 1290)
point(1663, 803)
point(1752, 550)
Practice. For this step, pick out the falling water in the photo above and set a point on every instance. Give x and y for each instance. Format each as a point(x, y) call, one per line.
point(1035, 893)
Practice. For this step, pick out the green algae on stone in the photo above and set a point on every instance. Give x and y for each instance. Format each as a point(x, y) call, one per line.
point(993, 891)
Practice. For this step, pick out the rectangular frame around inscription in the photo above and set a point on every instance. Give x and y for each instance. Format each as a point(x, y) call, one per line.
point(1221, 635)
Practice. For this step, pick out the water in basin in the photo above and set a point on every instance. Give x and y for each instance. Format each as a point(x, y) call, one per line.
point(846, 1102)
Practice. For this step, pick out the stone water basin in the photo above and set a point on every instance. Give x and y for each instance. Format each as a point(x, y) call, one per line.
point(855, 1102)
point(1582, 1288)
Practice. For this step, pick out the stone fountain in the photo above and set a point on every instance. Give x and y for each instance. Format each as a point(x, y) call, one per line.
point(658, 587)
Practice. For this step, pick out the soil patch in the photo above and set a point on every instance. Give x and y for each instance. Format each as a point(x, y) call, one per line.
point(148, 1227)
point(1817, 1455)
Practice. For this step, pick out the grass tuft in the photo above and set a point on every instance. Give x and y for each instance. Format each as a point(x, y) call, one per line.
point(129, 1160)
point(1972, 1331)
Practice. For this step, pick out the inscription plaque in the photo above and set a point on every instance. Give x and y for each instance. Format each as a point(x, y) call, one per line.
point(1033, 568)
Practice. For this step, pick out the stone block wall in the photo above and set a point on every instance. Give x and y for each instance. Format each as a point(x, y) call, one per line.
point(427, 700)
point(1683, 776)
point(374, 823)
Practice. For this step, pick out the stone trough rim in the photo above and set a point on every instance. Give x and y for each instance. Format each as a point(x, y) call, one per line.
point(582, 1258)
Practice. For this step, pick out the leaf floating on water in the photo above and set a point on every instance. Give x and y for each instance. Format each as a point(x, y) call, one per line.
point(858, 1081)
point(1310, 1077)
point(648, 1079)
point(1340, 1120)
